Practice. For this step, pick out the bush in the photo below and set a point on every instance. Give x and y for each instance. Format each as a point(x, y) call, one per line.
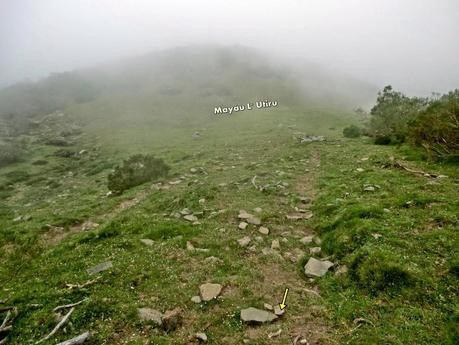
point(9, 154)
point(437, 128)
point(136, 170)
point(352, 131)
point(383, 140)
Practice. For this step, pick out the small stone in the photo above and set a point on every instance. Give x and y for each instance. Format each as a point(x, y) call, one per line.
point(256, 316)
point(317, 240)
point(262, 230)
point(201, 337)
point(172, 319)
point(196, 299)
point(268, 306)
point(213, 260)
point(275, 244)
point(147, 241)
point(243, 242)
point(254, 220)
point(210, 291)
point(341, 270)
point(376, 236)
point(275, 334)
point(185, 211)
point(314, 250)
point(100, 267)
point(175, 182)
point(369, 189)
point(305, 200)
point(317, 268)
point(244, 215)
point(189, 246)
point(359, 170)
point(243, 225)
point(278, 311)
point(193, 170)
point(258, 238)
point(202, 201)
point(258, 209)
point(88, 225)
point(190, 218)
point(306, 239)
point(152, 315)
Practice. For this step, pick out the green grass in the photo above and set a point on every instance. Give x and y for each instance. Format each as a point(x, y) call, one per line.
point(403, 282)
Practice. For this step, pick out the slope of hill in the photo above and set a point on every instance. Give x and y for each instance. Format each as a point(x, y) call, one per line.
point(133, 268)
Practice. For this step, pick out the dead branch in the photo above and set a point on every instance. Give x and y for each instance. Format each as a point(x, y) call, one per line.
point(68, 305)
point(253, 182)
point(77, 340)
point(416, 172)
point(81, 286)
point(59, 325)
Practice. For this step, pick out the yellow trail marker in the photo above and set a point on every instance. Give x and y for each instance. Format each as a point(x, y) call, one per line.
point(282, 305)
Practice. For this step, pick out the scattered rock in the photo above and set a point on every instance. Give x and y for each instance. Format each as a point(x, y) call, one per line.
point(202, 201)
point(256, 316)
point(213, 260)
point(190, 218)
point(278, 311)
point(210, 291)
point(317, 268)
point(196, 299)
point(311, 138)
point(258, 209)
point(376, 236)
point(317, 240)
point(152, 315)
point(244, 215)
point(306, 239)
point(369, 189)
point(243, 225)
point(275, 244)
point(275, 334)
point(100, 267)
point(189, 246)
point(305, 200)
point(341, 270)
point(314, 250)
point(268, 306)
point(244, 242)
point(264, 231)
point(172, 319)
point(185, 212)
point(201, 337)
point(193, 170)
point(254, 220)
point(359, 170)
point(147, 241)
point(175, 182)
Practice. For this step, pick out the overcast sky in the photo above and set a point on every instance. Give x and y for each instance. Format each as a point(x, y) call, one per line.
point(411, 44)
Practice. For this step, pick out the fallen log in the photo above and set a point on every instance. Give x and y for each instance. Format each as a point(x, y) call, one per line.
point(68, 305)
point(59, 325)
point(77, 340)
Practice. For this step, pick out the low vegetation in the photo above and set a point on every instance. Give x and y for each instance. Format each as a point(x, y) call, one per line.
point(430, 123)
point(136, 170)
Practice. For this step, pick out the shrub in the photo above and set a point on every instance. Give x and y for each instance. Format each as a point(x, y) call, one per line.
point(9, 154)
point(136, 170)
point(382, 140)
point(352, 131)
point(436, 129)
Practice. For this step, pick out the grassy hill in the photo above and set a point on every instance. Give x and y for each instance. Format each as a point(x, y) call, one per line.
point(398, 241)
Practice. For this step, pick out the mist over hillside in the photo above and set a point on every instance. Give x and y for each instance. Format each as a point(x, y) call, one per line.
point(186, 81)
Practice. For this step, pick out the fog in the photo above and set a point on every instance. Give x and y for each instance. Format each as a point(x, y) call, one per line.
point(411, 44)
